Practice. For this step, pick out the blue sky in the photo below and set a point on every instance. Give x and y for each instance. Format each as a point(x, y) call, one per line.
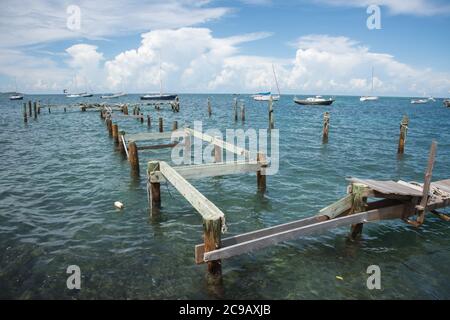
point(317, 47)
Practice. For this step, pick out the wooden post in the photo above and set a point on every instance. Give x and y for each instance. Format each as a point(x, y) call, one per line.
point(39, 107)
point(326, 127)
point(212, 230)
point(142, 117)
point(64, 109)
point(359, 204)
point(49, 111)
point(154, 192)
point(187, 149)
point(209, 107)
point(109, 126)
point(115, 133)
point(25, 118)
point(426, 185)
point(133, 157)
point(235, 110)
point(29, 109)
point(403, 132)
point(161, 127)
point(35, 109)
point(271, 121)
point(217, 153)
point(149, 123)
point(125, 110)
point(243, 112)
point(175, 126)
point(121, 147)
point(261, 174)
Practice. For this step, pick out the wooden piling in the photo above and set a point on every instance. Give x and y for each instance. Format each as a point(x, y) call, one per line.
point(109, 126)
point(243, 112)
point(403, 133)
point(121, 146)
point(49, 111)
point(175, 126)
point(142, 117)
point(217, 153)
point(187, 149)
point(209, 108)
point(235, 110)
point(29, 109)
point(261, 174)
point(271, 120)
point(133, 157)
point(212, 231)
point(161, 126)
point(326, 127)
point(149, 123)
point(154, 192)
point(359, 204)
point(35, 109)
point(65, 109)
point(25, 118)
point(115, 133)
point(39, 107)
point(125, 110)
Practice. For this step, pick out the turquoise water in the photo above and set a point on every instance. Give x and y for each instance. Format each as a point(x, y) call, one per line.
point(60, 175)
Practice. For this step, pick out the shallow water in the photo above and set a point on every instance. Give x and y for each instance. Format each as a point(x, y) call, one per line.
point(60, 176)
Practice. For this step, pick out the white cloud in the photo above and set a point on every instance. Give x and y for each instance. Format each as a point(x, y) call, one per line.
point(41, 21)
point(410, 7)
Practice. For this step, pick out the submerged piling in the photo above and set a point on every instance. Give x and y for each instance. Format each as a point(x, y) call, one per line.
point(161, 126)
point(235, 110)
point(133, 157)
point(326, 127)
point(209, 107)
point(212, 231)
point(149, 124)
point(359, 204)
point(243, 112)
point(29, 109)
point(403, 133)
point(25, 118)
point(261, 174)
point(154, 190)
point(175, 126)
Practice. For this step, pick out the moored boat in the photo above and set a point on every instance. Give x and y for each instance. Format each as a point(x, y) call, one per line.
point(314, 101)
point(419, 101)
point(265, 97)
point(371, 97)
point(447, 103)
point(159, 97)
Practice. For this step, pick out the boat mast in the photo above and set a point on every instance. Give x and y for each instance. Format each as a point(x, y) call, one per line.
point(160, 79)
point(372, 82)
point(276, 80)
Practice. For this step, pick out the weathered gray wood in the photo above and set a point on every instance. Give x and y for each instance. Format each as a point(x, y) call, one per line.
point(388, 187)
point(147, 136)
point(206, 208)
point(158, 146)
point(224, 145)
point(337, 208)
point(427, 183)
point(217, 169)
point(392, 212)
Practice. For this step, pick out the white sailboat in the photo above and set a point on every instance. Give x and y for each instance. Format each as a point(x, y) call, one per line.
point(16, 95)
point(266, 96)
point(371, 97)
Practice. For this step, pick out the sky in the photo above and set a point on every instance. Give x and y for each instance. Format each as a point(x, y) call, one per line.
point(326, 47)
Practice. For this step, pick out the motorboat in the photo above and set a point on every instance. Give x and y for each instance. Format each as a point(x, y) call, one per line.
point(419, 101)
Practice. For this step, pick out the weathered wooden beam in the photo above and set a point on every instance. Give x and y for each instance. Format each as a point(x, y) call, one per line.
point(224, 145)
point(426, 184)
point(206, 208)
point(339, 207)
point(217, 169)
point(392, 212)
point(158, 146)
point(147, 136)
point(261, 173)
point(212, 230)
point(326, 127)
point(133, 157)
point(154, 192)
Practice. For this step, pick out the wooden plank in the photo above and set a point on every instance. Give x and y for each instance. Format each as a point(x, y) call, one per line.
point(443, 185)
point(145, 136)
point(217, 169)
point(392, 212)
point(122, 138)
point(338, 207)
point(224, 145)
point(427, 182)
point(158, 146)
point(388, 187)
point(206, 208)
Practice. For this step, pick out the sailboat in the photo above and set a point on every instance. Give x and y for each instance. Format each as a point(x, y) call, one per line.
point(159, 96)
point(77, 95)
point(371, 97)
point(16, 96)
point(266, 96)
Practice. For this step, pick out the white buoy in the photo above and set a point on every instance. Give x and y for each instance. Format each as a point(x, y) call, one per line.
point(118, 205)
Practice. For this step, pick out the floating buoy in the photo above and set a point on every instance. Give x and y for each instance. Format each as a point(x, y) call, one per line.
point(118, 205)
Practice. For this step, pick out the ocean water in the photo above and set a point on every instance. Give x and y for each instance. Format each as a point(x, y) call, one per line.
point(60, 175)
